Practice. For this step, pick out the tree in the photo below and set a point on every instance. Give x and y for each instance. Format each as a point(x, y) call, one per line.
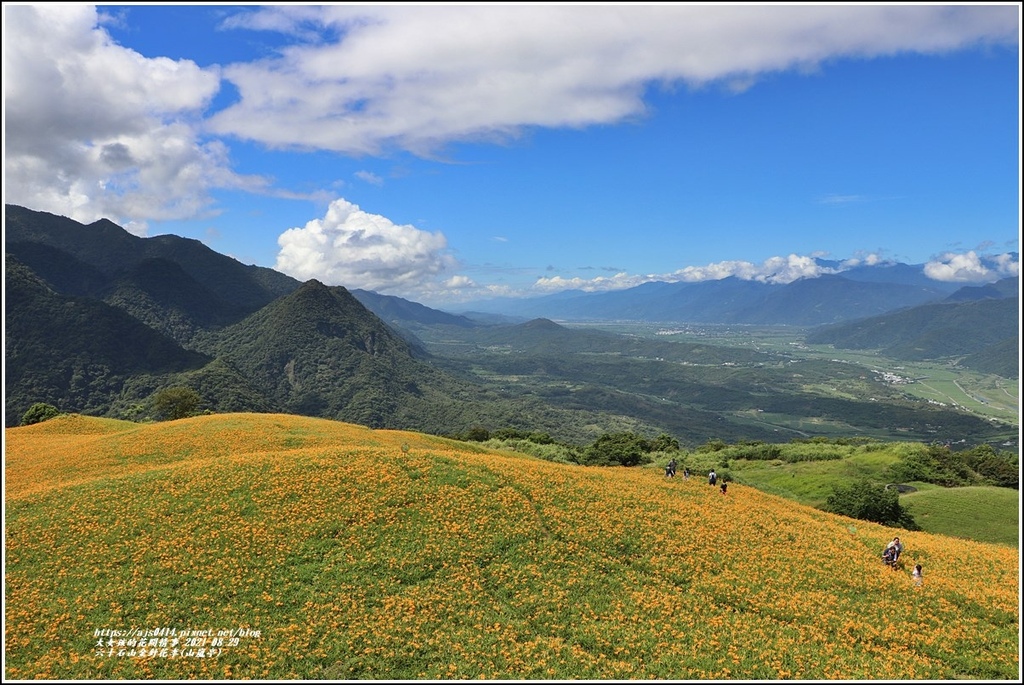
point(176, 403)
point(478, 434)
point(626, 449)
point(39, 412)
point(664, 443)
point(999, 468)
point(869, 501)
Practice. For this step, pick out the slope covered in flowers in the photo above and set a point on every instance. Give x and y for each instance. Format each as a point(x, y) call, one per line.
point(317, 549)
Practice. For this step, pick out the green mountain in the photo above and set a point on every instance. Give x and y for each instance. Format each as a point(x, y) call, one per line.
point(1006, 287)
point(78, 352)
point(973, 329)
point(98, 321)
point(319, 352)
point(1001, 359)
point(110, 253)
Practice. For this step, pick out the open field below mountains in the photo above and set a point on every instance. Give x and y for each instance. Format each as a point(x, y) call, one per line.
point(982, 394)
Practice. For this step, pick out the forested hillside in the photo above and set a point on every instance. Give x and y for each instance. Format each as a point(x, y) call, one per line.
point(102, 322)
point(978, 330)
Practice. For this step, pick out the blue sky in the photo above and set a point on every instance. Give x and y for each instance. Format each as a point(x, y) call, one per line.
point(452, 153)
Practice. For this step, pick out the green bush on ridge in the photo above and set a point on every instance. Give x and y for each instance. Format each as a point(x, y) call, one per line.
point(39, 412)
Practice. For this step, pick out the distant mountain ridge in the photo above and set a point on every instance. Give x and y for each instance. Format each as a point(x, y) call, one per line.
point(979, 329)
point(98, 321)
point(805, 302)
point(111, 253)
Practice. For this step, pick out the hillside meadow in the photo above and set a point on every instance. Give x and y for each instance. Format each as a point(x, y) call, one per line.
point(982, 513)
point(255, 546)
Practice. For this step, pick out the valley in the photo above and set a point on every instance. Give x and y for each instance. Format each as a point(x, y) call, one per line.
point(985, 395)
point(168, 312)
point(729, 382)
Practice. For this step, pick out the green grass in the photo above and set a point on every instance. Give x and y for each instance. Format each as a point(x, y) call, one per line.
point(985, 514)
point(809, 482)
point(975, 513)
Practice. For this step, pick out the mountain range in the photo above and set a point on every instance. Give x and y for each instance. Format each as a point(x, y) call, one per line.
point(98, 320)
point(831, 298)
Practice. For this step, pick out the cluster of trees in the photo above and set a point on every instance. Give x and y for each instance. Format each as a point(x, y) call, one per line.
point(610, 449)
point(177, 402)
point(869, 501)
point(939, 464)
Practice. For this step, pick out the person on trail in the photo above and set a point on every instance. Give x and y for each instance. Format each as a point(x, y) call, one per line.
point(686, 473)
point(670, 470)
point(724, 486)
point(712, 477)
point(917, 575)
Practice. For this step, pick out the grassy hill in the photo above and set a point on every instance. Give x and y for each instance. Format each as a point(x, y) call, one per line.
point(318, 549)
point(975, 512)
point(982, 513)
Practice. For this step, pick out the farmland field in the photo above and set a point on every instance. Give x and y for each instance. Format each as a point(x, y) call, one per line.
point(982, 394)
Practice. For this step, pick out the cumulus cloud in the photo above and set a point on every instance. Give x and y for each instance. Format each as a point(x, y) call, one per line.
point(418, 77)
point(774, 270)
point(96, 130)
point(778, 270)
point(355, 249)
point(616, 282)
point(970, 267)
point(869, 259)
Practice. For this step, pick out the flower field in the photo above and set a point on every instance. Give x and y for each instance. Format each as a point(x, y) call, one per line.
point(250, 546)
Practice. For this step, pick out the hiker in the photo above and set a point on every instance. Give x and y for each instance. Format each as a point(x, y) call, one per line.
point(712, 477)
point(917, 575)
point(686, 473)
point(670, 470)
point(724, 486)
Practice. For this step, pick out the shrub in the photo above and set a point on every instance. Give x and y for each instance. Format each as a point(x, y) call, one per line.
point(39, 412)
point(664, 443)
point(998, 468)
point(869, 501)
point(625, 449)
point(478, 434)
point(936, 464)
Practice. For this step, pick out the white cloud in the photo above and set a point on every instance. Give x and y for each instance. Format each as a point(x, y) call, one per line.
point(840, 199)
point(773, 270)
point(93, 129)
point(969, 267)
point(1007, 265)
point(96, 130)
point(418, 77)
point(369, 177)
point(869, 259)
point(356, 249)
point(459, 283)
point(617, 282)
